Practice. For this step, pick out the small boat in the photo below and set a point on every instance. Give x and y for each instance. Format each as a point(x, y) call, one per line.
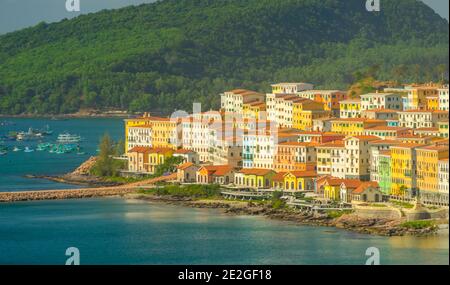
point(27, 149)
point(3, 153)
point(16, 149)
point(68, 138)
point(46, 131)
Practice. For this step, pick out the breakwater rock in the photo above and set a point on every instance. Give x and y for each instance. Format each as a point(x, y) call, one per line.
point(64, 194)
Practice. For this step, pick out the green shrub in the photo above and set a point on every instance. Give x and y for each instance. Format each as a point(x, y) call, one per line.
point(418, 224)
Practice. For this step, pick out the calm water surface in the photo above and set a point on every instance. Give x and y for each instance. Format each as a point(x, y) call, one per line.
point(15, 165)
point(119, 231)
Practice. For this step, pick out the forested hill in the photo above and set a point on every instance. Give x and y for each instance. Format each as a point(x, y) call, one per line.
point(165, 55)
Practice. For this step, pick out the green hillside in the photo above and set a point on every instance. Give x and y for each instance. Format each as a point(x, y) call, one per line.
point(165, 55)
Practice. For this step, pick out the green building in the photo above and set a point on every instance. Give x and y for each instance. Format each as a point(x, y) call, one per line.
point(384, 172)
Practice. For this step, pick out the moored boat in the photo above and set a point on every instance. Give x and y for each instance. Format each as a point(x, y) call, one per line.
point(68, 138)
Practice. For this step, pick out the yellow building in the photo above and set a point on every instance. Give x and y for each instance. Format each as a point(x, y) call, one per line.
point(252, 111)
point(427, 167)
point(354, 126)
point(350, 108)
point(403, 168)
point(296, 180)
point(254, 178)
point(305, 111)
point(417, 96)
point(158, 156)
point(332, 188)
point(164, 130)
point(433, 102)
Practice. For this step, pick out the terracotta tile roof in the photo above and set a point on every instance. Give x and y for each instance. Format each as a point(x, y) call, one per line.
point(407, 145)
point(255, 171)
point(386, 128)
point(427, 129)
point(160, 150)
point(434, 148)
point(299, 144)
point(352, 183)
point(185, 165)
point(303, 173)
point(218, 170)
point(379, 110)
point(364, 138)
point(140, 149)
point(279, 176)
point(349, 183)
point(361, 188)
point(387, 142)
point(333, 144)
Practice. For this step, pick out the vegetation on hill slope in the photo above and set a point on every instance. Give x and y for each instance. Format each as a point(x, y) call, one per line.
point(162, 56)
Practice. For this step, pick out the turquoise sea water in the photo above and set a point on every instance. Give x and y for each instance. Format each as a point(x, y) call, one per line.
point(15, 165)
point(119, 231)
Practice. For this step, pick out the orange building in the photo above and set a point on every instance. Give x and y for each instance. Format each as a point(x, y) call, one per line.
point(295, 156)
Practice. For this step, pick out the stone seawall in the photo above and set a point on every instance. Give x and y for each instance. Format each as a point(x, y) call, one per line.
point(378, 212)
point(64, 194)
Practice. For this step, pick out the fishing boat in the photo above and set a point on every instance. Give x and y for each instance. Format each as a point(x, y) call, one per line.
point(43, 146)
point(68, 138)
point(28, 149)
point(46, 131)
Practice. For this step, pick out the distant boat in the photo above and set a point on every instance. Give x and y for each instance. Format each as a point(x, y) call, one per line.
point(16, 149)
point(68, 138)
point(3, 153)
point(27, 149)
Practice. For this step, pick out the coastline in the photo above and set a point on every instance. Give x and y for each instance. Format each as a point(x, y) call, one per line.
point(350, 222)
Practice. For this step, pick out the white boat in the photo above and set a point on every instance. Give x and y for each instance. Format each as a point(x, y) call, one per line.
point(27, 149)
point(16, 149)
point(68, 138)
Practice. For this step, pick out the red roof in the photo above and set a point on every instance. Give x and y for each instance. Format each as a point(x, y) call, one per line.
point(140, 149)
point(185, 165)
point(218, 170)
point(361, 188)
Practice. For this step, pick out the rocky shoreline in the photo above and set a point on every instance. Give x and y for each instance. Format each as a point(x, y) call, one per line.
point(7, 197)
point(351, 222)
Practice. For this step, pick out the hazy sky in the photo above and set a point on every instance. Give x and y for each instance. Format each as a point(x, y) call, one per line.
point(18, 14)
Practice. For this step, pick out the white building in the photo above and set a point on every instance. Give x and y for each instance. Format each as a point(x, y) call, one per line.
point(139, 136)
point(421, 118)
point(195, 136)
point(443, 99)
point(443, 176)
point(233, 101)
point(280, 109)
point(290, 88)
point(357, 157)
point(392, 101)
point(331, 159)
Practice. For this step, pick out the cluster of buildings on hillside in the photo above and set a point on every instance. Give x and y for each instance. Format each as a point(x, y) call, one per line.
point(390, 143)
